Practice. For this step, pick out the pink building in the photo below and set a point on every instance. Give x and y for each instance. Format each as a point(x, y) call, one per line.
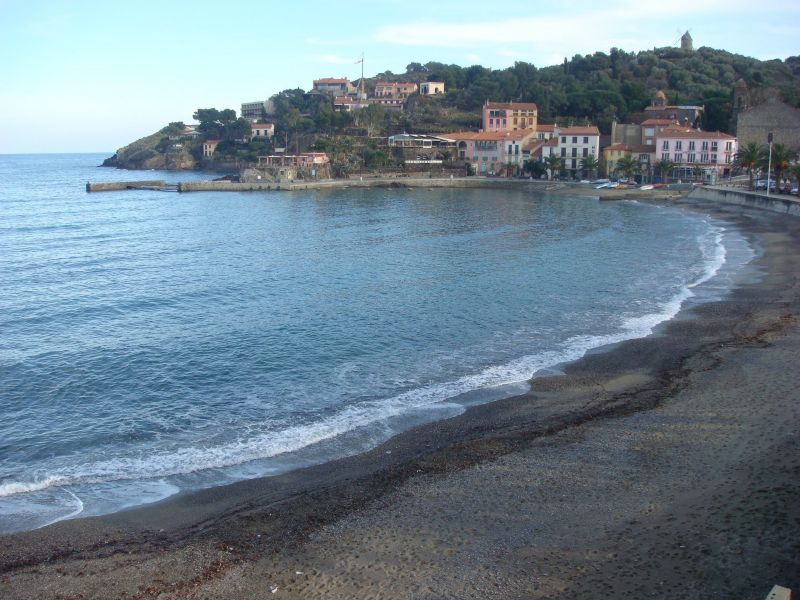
point(509, 116)
point(491, 152)
point(712, 151)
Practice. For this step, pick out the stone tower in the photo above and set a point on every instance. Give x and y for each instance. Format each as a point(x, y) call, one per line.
point(686, 42)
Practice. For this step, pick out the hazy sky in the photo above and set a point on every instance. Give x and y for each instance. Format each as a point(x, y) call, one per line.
point(85, 75)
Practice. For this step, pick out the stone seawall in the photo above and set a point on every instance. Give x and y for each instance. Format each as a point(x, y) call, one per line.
point(773, 203)
point(125, 185)
point(398, 182)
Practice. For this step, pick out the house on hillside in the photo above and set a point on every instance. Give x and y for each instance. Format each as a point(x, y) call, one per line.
point(431, 88)
point(688, 115)
point(509, 116)
point(209, 147)
point(262, 131)
point(384, 89)
point(333, 86)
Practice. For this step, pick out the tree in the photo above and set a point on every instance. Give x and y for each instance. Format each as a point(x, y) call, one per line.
point(664, 167)
point(795, 172)
point(628, 166)
point(697, 172)
point(370, 118)
point(554, 164)
point(748, 158)
point(535, 168)
point(782, 158)
point(589, 165)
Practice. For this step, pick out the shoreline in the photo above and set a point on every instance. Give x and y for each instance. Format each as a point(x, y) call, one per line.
point(234, 527)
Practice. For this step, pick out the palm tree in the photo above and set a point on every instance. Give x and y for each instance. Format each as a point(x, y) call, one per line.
point(795, 172)
point(590, 164)
point(697, 172)
point(664, 167)
point(535, 167)
point(748, 158)
point(628, 166)
point(782, 158)
point(554, 164)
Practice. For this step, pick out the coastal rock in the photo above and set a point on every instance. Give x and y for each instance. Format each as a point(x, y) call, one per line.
point(156, 151)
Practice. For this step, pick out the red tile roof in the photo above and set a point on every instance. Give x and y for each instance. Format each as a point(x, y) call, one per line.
point(659, 122)
point(579, 131)
point(330, 80)
point(512, 105)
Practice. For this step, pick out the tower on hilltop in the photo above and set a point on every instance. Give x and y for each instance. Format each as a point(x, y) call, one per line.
point(686, 42)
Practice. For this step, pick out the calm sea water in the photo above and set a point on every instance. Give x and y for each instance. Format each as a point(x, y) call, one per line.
point(153, 342)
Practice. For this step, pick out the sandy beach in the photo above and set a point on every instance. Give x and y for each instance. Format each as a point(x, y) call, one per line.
point(664, 467)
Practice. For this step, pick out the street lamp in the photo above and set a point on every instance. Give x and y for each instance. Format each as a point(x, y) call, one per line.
point(769, 161)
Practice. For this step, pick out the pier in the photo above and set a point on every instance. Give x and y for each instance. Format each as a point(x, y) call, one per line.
point(154, 184)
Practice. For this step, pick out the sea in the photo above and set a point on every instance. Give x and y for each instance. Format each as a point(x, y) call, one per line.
point(155, 343)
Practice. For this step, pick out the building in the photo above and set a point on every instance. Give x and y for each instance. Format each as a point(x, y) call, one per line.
point(757, 113)
point(686, 42)
point(688, 115)
point(385, 89)
point(693, 151)
point(509, 116)
point(253, 111)
point(645, 153)
point(334, 87)
point(431, 88)
point(349, 103)
point(492, 152)
point(420, 141)
point(209, 147)
point(573, 144)
point(304, 159)
point(262, 131)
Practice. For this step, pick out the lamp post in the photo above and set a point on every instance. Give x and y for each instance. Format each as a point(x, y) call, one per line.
point(769, 160)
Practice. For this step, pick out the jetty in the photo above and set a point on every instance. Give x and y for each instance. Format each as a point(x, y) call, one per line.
point(158, 185)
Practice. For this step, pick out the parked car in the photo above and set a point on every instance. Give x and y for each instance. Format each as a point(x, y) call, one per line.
point(761, 184)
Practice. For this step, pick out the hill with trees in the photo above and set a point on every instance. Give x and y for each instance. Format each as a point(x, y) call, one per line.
point(596, 88)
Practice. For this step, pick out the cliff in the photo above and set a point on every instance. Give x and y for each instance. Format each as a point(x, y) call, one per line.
point(156, 151)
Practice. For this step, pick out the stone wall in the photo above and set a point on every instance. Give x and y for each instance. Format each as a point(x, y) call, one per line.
point(772, 203)
point(754, 124)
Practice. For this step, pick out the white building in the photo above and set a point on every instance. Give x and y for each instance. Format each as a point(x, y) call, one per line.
point(573, 144)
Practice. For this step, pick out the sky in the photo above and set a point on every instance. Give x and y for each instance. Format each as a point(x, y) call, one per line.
point(92, 76)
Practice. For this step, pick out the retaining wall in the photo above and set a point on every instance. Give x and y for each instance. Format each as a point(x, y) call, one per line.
point(774, 203)
point(124, 185)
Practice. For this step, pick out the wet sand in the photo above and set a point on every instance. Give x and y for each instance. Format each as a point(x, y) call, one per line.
point(665, 467)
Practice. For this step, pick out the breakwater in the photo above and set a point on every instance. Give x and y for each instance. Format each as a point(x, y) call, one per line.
point(126, 185)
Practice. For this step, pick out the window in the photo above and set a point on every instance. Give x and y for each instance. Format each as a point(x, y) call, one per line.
point(563, 152)
point(713, 146)
point(665, 145)
point(574, 152)
point(713, 158)
point(678, 145)
point(585, 152)
point(690, 158)
point(491, 122)
point(705, 145)
point(564, 140)
point(728, 146)
point(678, 157)
point(727, 159)
point(645, 158)
point(704, 157)
point(574, 139)
point(691, 145)
point(574, 163)
point(586, 140)
point(665, 156)
point(515, 120)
